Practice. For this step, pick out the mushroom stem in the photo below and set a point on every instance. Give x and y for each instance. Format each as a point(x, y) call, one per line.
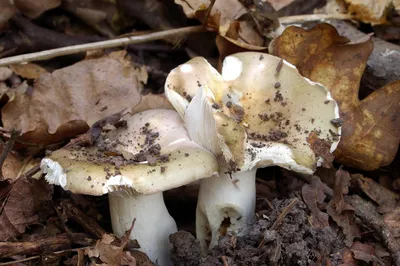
point(225, 203)
point(153, 223)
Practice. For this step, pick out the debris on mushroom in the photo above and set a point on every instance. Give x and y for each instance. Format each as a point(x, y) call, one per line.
point(134, 165)
point(258, 124)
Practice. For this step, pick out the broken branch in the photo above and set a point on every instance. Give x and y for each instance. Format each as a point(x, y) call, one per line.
point(8, 249)
point(48, 54)
point(368, 215)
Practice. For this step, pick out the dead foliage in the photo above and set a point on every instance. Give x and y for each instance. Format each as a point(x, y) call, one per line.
point(68, 101)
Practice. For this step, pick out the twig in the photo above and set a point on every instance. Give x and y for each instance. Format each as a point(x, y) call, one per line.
point(78, 216)
point(9, 249)
point(313, 17)
point(6, 149)
point(366, 211)
point(31, 172)
point(39, 256)
point(48, 54)
point(280, 218)
point(283, 214)
point(224, 261)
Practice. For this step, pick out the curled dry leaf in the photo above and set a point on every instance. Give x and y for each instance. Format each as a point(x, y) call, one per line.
point(340, 211)
point(113, 251)
point(367, 11)
point(21, 205)
point(245, 23)
point(371, 128)
point(313, 194)
point(12, 165)
point(68, 101)
point(385, 198)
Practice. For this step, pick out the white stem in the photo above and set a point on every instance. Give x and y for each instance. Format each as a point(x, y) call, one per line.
point(152, 227)
point(225, 203)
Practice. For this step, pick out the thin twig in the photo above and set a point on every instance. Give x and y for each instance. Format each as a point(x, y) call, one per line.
point(7, 148)
point(366, 211)
point(283, 214)
point(313, 17)
point(224, 260)
point(39, 256)
point(48, 54)
point(280, 218)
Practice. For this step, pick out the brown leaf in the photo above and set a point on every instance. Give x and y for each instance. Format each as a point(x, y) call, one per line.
point(28, 70)
point(5, 73)
point(346, 221)
point(313, 195)
point(348, 258)
point(371, 130)
point(7, 10)
point(34, 8)
point(242, 22)
point(341, 188)
point(12, 164)
point(111, 250)
point(386, 199)
point(21, 206)
point(368, 11)
point(392, 220)
point(68, 101)
point(364, 252)
point(340, 211)
point(321, 148)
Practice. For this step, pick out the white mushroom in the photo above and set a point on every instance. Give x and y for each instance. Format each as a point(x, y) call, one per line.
point(135, 165)
point(260, 112)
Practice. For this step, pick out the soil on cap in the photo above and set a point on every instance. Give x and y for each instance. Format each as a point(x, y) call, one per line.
point(108, 152)
point(295, 242)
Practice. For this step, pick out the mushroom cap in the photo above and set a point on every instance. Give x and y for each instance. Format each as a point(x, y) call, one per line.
point(151, 154)
point(259, 112)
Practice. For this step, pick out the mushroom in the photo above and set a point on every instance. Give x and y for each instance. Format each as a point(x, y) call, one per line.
point(134, 165)
point(259, 112)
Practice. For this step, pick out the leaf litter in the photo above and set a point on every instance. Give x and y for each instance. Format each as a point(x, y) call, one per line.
point(300, 220)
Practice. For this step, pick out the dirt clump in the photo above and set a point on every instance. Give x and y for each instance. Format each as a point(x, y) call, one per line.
point(293, 242)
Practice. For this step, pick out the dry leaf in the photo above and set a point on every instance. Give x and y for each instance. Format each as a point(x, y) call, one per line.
point(21, 206)
point(348, 258)
point(34, 8)
point(245, 26)
point(68, 101)
point(386, 199)
point(341, 188)
point(346, 221)
point(111, 250)
point(5, 73)
point(371, 130)
point(340, 211)
point(321, 148)
point(28, 70)
point(7, 10)
point(313, 194)
point(364, 252)
point(279, 4)
point(392, 220)
point(12, 165)
point(369, 11)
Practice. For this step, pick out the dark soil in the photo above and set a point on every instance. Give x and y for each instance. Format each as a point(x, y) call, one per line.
point(294, 242)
